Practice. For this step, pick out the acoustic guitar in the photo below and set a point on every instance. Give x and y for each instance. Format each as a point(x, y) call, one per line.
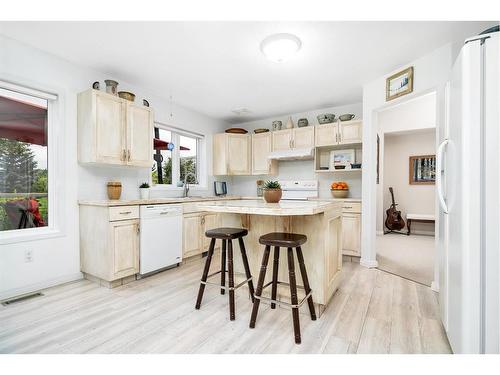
point(394, 221)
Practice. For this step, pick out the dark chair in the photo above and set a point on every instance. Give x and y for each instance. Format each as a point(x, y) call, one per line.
point(226, 235)
point(290, 241)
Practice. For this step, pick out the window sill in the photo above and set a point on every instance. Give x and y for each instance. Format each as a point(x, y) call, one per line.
point(26, 235)
point(177, 188)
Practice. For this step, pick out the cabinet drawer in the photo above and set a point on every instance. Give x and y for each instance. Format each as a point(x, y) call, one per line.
point(123, 213)
point(354, 207)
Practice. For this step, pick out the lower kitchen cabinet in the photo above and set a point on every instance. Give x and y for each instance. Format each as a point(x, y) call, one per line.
point(109, 243)
point(351, 228)
point(194, 227)
point(125, 247)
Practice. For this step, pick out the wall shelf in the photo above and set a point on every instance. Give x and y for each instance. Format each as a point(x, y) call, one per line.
point(338, 170)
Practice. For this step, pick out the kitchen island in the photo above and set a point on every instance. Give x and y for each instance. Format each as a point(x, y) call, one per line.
point(320, 221)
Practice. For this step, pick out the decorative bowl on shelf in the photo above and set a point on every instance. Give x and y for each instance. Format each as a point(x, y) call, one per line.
point(340, 167)
point(326, 118)
point(126, 95)
point(356, 165)
point(277, 125)
point(236, 131)
point(302, 122)
point(260, 130)
point(346, 117)
point(340, 193)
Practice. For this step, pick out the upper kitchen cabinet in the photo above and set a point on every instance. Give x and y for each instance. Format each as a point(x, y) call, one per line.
point(232, 154)
point(261, 148)
point(113, 131)
point(326, 135)
point(282, 139)
point(339, 133)
point(303, 137)
point(293, 138)
point(350, 132)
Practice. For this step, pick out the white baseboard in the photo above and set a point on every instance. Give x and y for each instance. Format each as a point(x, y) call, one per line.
point(7, 294)
point(435, 286)
point(368, 263)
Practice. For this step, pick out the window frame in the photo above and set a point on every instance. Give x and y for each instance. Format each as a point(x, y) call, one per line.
point(201, 170)
point(55, 166)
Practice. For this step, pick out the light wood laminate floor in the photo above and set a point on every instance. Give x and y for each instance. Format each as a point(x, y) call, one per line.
point(373, 312)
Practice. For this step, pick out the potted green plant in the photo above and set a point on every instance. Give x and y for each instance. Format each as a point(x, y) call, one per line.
point(272, 191)
point(144, 190)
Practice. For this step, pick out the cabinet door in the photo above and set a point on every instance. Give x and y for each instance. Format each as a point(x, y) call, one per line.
point(326, 135)
point(351, 234)
point(125, 247)
point(282, 140)
point(191, 237)
point(139, 136)
point(110, 129)
point(261, 147)
point(351, 132)
point(238, 154)
point(209, 221)
point(334, 253)
point(303, 137)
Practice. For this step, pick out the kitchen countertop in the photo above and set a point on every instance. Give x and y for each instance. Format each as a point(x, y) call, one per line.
point(259, 207)
point(135, 202)
point(336, 199)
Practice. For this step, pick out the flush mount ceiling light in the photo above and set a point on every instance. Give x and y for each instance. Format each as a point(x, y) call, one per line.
point(241, 111)
point(280, 47)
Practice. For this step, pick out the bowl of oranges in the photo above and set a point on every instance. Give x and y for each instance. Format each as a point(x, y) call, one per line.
point(339, 189)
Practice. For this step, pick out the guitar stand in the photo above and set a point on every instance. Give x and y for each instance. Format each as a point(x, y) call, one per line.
point(397, 232)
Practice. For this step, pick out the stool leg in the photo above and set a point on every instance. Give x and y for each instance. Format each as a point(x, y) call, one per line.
point(230, 270)
point(247, 268)
point(274, 287)
point(293, 293)
point(260, 284)
point(205, 273)
point(305, 280)
point(223, 267)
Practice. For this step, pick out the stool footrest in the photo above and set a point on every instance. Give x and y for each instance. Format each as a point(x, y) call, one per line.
point(226, 287)
point(286, 304)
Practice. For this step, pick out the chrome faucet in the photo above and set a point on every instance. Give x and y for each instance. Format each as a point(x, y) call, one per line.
point(186, 184)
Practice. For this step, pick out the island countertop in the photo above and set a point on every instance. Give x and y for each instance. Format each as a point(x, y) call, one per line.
point(260, 207)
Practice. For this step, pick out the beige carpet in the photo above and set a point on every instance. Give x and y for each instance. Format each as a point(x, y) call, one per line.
point(411, 257)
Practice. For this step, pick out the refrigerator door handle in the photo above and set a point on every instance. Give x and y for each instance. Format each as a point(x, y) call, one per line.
point(439, 184)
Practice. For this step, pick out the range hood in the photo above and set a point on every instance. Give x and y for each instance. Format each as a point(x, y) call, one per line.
point(293, 154)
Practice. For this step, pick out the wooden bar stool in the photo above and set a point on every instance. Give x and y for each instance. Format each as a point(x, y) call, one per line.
point(290, 241)
point(226, 235)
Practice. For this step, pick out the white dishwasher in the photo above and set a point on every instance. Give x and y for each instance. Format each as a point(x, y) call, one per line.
point(161, 237)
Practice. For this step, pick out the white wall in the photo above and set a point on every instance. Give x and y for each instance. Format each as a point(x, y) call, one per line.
point(295, 169)
point(57, 259)
point(416, 199)
point(417, 114)
point(430, 74)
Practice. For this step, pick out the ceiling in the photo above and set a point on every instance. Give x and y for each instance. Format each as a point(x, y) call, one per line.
point(216, 67)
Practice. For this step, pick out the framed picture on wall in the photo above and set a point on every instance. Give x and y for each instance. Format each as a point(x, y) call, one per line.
point(399, 84)
point(423, 170)
point(342, 157)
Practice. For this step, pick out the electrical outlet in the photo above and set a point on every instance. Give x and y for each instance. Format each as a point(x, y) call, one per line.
point(28, 256)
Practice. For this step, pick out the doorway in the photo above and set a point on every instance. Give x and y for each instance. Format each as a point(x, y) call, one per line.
point(407, 134)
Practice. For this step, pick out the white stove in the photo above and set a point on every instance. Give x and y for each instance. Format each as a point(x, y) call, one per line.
point(299, 190)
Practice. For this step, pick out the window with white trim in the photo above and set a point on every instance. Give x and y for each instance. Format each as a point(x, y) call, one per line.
point(176, 155)
point(24, 194)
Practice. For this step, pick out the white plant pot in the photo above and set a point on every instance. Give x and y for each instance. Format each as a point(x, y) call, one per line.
point(144, 193)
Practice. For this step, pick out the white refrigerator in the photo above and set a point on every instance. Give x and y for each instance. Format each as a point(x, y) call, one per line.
point(468, 189)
